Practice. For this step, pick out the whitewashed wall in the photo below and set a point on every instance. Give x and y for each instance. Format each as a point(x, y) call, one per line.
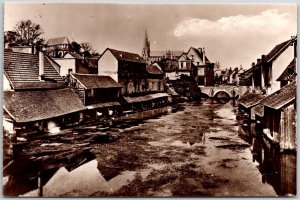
point(108, 66)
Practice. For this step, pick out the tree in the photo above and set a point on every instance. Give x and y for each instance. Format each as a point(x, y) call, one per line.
point(88, 49)
point(75, 46)
point(27, 32)
point(85, 48)
point(10, 37)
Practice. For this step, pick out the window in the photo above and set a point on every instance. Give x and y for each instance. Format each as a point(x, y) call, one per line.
point(201, 71)
point(180, 64)
point(91, 93)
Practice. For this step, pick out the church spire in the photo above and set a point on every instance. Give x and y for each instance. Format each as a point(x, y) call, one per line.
point(146, 48)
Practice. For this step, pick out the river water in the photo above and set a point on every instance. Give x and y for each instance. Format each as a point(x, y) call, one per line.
point(191, 149)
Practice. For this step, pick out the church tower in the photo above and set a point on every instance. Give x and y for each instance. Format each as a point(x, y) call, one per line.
point(146, 48)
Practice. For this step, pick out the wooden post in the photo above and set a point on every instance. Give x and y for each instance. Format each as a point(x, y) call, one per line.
point(40, 184)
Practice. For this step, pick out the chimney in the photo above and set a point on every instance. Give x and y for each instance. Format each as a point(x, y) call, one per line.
point(258, 60)
point(41, 65)
point(33, 49)
point(253, 64)
point(263, 57)
point(203, 56)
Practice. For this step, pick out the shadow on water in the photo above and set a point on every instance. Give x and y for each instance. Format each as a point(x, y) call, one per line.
point(276, 167)
point(23, 175)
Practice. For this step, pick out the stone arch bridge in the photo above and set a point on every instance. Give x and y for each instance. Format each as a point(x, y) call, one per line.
point(222, 91)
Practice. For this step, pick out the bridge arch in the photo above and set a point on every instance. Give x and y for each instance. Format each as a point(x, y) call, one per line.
point(212, 91)
point(222, 94)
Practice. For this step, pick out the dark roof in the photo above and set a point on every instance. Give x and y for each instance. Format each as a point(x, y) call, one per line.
point(259, 110)
point(91, 81)
point(200, 54)
point(26, 106)
point(276, 52)
point(276, 100)
point(289, 74)
point(246, 77)
point(250, 99)
point(271, 56)
point(125, 56)
point(39, 85)
point(152, 69)
point(58, 41)
point(93, 62)
point(23, 68)
point(282, 97)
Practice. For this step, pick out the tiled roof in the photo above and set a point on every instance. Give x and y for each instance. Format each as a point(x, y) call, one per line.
point(250, 99)
point(26, 106)
point(152, 69)
point(23, 68)
point(289, 74)
point(259, 110)
point(39, 85)
point(276, 100)
point(92, 81)
point(125, 56)
point(283, 96)
point(58, 41)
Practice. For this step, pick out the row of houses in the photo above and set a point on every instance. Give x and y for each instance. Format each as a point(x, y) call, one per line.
point(44, 91)
point(270, 114)
point(193, 63)
point(269, 99)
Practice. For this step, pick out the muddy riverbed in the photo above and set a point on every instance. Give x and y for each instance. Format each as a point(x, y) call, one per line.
point(192, 149)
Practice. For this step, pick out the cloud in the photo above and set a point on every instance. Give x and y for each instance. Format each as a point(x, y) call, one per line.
point(239, 39)
point(269, 22)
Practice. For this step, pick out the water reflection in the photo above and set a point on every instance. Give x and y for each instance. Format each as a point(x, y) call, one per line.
point(277, 168)
point(60, 177)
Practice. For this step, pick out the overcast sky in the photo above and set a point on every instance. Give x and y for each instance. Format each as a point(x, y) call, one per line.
point(232, 34)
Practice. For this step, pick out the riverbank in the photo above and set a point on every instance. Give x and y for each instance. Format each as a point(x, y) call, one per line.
point(189, 150)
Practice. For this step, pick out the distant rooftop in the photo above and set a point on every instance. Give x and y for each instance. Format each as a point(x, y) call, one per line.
point(58, 41)
point(163, 53)
point(125, 56)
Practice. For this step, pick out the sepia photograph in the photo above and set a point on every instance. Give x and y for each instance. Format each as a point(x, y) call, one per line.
point(149, 99)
